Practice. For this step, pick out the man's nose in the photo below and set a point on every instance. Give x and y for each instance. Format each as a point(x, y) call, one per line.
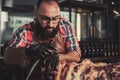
point(50, 23)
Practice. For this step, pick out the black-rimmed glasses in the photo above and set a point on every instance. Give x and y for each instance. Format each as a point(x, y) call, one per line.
point(47, 19)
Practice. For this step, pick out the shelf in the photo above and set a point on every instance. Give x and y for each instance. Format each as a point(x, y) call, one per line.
point(84, 5)
point(19, 9)
point(108, 59)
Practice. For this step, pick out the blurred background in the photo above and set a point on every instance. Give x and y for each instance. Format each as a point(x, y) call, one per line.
point(97, 25)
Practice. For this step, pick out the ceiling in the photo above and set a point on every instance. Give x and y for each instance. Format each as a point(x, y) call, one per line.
point(28, 5)
point(19, 2)
point(32, 2)
point(19, 5)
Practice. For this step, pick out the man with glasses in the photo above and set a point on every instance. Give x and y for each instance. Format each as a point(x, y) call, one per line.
point(43, 43)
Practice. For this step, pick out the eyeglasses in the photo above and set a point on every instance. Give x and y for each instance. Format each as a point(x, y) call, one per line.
point(47, 19)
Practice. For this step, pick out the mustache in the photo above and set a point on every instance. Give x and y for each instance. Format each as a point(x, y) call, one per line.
point(48, 27)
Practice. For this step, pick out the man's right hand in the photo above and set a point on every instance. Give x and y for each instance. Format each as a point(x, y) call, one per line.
point(49, 59)
point(41, 50)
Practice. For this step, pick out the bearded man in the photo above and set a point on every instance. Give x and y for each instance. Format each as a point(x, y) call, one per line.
point(49, 39)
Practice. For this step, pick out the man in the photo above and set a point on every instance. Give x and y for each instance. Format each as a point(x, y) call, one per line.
point(49, 39)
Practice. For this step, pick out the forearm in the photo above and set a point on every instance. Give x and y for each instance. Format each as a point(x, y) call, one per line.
point(69, 57)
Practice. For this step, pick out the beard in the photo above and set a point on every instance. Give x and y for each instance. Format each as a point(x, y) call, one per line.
point(44, 33)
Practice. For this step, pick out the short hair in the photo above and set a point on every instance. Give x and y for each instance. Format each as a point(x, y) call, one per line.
point(40, 1)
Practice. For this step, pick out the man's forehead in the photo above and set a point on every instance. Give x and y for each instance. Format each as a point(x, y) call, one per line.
point(49, 9)
point(49, 12)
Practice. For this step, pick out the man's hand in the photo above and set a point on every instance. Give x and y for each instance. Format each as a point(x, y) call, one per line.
point(49, 59)
point(42, 50)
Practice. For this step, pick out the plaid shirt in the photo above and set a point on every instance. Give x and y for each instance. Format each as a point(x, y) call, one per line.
point(23, 37)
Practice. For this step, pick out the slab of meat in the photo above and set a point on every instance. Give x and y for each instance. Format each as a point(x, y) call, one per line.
point(88, 70)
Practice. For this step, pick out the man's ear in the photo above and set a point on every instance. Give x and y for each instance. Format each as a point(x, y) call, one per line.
point(35, 12)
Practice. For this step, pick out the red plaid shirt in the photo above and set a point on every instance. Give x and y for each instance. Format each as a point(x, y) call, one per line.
point(23, 37)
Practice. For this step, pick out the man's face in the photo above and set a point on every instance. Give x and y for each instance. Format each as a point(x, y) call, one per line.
point(47, 16)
